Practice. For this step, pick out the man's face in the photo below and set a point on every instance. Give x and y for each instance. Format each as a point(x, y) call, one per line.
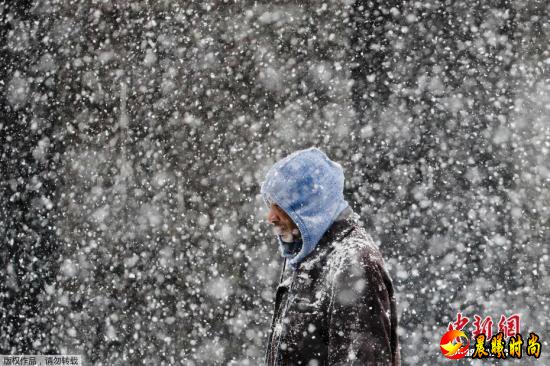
point(282, 223)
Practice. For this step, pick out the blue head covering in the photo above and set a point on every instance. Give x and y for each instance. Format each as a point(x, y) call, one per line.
point(309, 187)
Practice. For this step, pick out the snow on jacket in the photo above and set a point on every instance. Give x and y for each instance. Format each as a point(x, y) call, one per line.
point(335, 304)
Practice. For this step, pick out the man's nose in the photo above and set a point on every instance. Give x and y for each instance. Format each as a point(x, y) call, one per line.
point(272, 217)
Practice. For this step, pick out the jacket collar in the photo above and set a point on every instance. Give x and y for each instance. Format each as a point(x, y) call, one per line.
point(339, 229)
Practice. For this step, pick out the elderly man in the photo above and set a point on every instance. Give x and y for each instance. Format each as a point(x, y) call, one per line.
point(335, 303)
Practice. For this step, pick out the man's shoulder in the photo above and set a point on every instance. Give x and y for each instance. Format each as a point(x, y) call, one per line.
point(357, 248)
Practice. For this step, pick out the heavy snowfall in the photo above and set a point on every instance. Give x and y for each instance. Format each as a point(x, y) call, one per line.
point(135, 135)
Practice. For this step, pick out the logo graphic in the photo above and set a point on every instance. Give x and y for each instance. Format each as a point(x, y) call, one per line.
point(454, 344)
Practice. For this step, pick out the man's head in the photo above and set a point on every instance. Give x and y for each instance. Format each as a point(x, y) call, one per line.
point(304, 191)
point(282, 223)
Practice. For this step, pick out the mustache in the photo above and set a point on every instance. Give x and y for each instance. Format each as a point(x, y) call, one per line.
point(279, 230)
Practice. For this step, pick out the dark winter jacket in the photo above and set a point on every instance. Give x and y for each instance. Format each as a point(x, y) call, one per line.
point(338, 306)
point(335, 303)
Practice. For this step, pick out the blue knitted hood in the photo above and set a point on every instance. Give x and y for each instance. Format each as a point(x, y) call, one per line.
point(309, 187)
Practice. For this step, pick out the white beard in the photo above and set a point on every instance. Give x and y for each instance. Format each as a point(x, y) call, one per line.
point(287, 235)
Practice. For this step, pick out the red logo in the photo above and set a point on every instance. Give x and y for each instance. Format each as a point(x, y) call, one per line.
point(454, 344)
